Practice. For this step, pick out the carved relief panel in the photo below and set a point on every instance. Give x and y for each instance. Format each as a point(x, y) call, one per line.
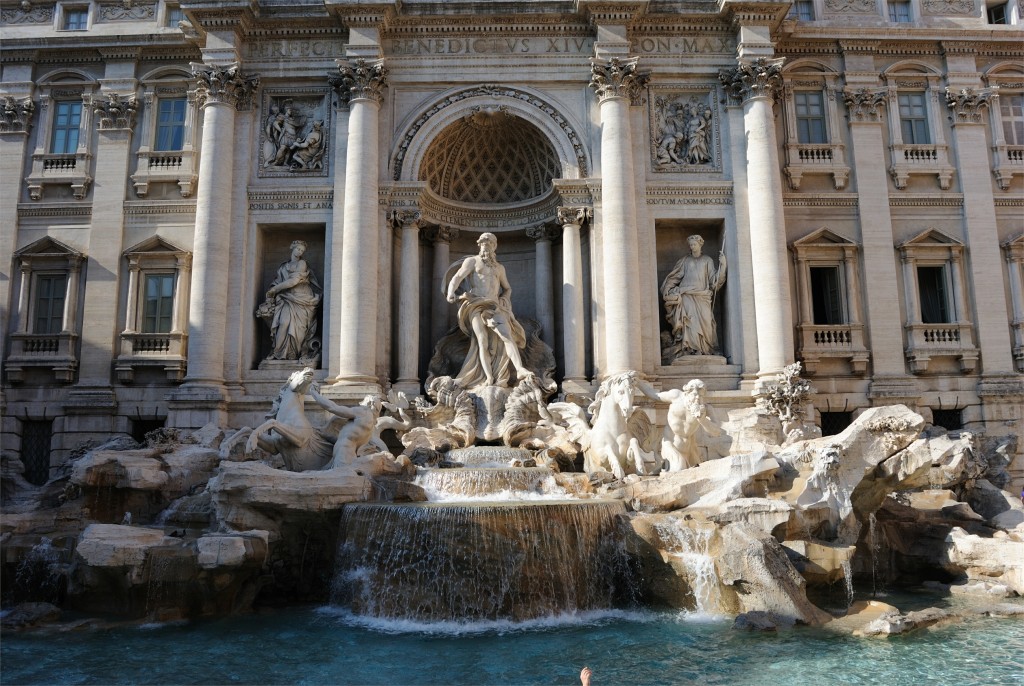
point(294, 133)
point(684, 130)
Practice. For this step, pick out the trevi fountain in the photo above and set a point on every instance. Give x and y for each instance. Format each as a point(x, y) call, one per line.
point(465, 342)
point(488, 532)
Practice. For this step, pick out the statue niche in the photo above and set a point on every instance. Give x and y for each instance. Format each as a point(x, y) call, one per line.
point(689, 293)
point(290, 311)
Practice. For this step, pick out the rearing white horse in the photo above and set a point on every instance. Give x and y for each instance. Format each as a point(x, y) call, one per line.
point(618, 429)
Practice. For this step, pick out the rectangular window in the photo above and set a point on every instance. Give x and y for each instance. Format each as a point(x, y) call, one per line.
point(810, 116)
point(934, 298)
point(76, 18)
point(67, 118)
point(173, 16)
point(827, 296)
point(170, 126)
point(49, 303)
point(899, 11)
point(997, 14)
point(802, 10)
point(1011, 111)
point(159, 306)
point(914, 119)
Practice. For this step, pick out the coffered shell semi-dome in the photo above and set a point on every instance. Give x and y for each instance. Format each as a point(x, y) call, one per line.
point(490, 157)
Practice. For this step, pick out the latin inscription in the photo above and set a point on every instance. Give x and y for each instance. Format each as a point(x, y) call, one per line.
point(295, 49)
point(682, 45)
point(263, 206)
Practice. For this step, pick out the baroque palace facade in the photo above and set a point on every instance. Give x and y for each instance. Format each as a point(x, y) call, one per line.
point(854, 168)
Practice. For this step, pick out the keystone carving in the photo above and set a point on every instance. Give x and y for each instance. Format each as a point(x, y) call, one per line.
point(865, 105)
point(966, 104)
point(360, 80)
point(228, 85)
point(16, 115)
point(618, 78)
point(115, 112)
point(760, 78)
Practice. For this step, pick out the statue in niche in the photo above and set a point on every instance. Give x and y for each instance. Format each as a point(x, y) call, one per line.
point(687, 414)
point(689, 294)
point(683, 132)
point(485, 316)
point(291, 308)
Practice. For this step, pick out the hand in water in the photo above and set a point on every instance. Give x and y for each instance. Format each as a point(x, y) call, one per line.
point(585, 676)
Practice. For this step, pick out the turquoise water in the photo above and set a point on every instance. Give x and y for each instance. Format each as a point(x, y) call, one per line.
point(327, 646)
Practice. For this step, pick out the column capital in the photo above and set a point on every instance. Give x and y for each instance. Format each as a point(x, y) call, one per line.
point(360, 79)
point(617, 78)
point(542, 232)
point(224, 84)
point(758, 78)
point(16, 114)
point(114, 112)
point(966, 103)
point(443, 234)
point(406, 219)
point(574, 215)
point(864, 104)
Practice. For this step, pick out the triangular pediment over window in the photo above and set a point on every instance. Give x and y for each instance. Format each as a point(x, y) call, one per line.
point(931, 237)
point(822, 236)
point(155, 244)
point(48, 247)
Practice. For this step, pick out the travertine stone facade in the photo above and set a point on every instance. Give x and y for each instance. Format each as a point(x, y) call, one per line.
point(861, 171)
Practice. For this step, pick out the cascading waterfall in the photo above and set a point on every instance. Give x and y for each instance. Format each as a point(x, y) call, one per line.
point(498, 543)
point(848, 582)
point(873, 543)
point(40, 574)
point(692, 547)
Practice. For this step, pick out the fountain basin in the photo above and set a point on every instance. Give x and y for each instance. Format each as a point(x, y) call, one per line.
point(498, 456)
point(450, 484)
point(474, 561)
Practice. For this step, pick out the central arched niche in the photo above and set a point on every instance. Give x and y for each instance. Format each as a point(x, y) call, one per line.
point(490, 157)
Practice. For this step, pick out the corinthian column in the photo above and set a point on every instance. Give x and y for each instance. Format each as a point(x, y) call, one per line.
point(573, 334)
point(408, 333)
point(757, 83)
point(362, 83)
point(617, 84)
point(220, 91)
point(544, 288)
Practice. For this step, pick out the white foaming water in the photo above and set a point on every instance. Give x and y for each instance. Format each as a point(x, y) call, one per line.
point(848, 579)
point(506, 496)
point(692, 548)
point(492, 626)
point(500, 484)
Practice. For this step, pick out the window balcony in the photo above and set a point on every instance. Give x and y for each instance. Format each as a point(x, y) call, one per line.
point(816, 158)
point(59, 169)
point(47, 351)
point(925, 341)
point(1009, 160)
point(177, 166)
point(167, 350)
point(921, 159)
point(835, 341)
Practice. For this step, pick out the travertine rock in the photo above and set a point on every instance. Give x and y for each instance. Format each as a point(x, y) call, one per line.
point(232, 550)
point(113, 545)
point(819, 563)
point(988, 559)
point(711, 483)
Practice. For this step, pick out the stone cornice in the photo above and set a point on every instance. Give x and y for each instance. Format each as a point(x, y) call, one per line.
point(927, 200)
point(820, 200)
point(222, 15)
point(149, 207)
point(705, 194)
point(743, 13)
point(55, 210)
point(377, 14)
point(623, 12)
